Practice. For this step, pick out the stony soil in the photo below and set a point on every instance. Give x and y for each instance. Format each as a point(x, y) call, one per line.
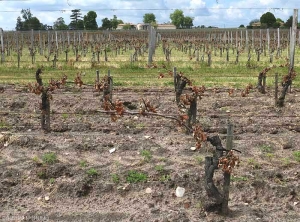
point(265, 186)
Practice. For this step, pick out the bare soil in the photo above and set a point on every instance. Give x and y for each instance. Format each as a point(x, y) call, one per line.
point(265, 186)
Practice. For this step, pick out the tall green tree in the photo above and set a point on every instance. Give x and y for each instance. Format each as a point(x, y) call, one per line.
point(106, 24)
point(115, 22)
point(60, 24)
point(268, 19)
point(149, 18)
point(29, 22)
point(19, 25)
point(188, 22)
point(75, 17)
point(90, 21)
point(177, 18)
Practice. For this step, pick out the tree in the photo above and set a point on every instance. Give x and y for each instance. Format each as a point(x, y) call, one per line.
point(29, 22)
point(149, 18)
point(106, 24)
point(115, 22)
point(268, 19)
point(289, 22)
point(253, 21)
point(26, 14)
point(19, 25)
point(177, 18)
point(60, 24)
point(187, 22)
point(90, 21)
point(75, 17)
point(242, 26)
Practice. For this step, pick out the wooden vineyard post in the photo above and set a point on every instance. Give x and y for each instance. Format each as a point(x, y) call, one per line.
point(18, 51)
point(45, 107)
point(209, 58)
point(107, 91)
point(151, 43)
point(291, 73)
point(175, 79)
point(32, 51)
point(54, 61)
point(276, 88)
point(226, 184)
point(97, 76)
point(2, 46)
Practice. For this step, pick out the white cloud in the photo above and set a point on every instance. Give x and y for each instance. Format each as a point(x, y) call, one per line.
point(229, 13)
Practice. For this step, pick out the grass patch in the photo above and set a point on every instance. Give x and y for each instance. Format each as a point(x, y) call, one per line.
point(254, 163)
point(238, 179)
point(83, 163)
point(296, 155)
point(266, 148)
point(115, 178)
point(146, 154)
point(134, 176)
point(49, 158)
point(92, 172)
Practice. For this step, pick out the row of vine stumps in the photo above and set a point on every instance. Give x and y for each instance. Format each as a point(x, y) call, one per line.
point(186, 97)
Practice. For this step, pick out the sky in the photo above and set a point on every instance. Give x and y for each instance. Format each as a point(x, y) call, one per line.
point(221, 13)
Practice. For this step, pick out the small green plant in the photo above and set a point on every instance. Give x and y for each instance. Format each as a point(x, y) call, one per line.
point(115, 178)
point(285, 161)
point(270, 156)
point(65, 116)
point(92, 172)
point(159, 168)
point(42, 174)
point(296, 155)
point(52, 181)
point(253, 163)
point(4, 124)
point(165, 178)
point(83, 163)
point(146, 154)
point(49, 158)
point(134, 176)
point(35, 159)
point(199, 159)
point(237, 179)
point(266, 148)
point(140, 126)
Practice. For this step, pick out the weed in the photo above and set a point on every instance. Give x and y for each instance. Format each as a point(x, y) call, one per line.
point(115, 178)
point(35, 159)
point(296, 155)
point(140, 126)
point(134, 176)
point(165, 178)
point(146, 154)
point(4, 124)
point(199, 159)
point(270, 156)
point(52, 180)
point(92, 172)
point(65, 116)
point(83, 163)
point(159, 168)
point(237, 179)
point(42, 174)
point(254, 163)
point(266, 148)
point(285, 161)
point(49, 158)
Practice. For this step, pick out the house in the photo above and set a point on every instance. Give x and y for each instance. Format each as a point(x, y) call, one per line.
point(143, 26)
point(166, 26)
point(121, 26)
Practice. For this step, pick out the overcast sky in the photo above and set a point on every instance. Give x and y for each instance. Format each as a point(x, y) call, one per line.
point(222, 13)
